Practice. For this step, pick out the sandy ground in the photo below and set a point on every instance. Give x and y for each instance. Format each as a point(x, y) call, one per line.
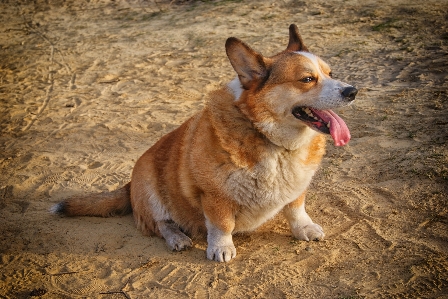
point(87, 86)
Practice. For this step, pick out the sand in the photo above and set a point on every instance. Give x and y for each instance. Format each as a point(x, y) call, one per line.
point(87, 86)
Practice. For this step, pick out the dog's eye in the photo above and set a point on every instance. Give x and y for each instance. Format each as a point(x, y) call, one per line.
point(308, 79)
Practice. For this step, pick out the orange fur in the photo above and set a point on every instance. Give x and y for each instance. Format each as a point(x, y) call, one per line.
point(233, 165)
point(316, 150)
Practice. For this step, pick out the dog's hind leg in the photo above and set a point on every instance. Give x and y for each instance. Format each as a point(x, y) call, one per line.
point(302, 227)
point(174, 237)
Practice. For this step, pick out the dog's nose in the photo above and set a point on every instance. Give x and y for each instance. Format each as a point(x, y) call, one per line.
point(349, 93)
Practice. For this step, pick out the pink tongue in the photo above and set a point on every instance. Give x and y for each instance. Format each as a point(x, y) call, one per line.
point(338, 129)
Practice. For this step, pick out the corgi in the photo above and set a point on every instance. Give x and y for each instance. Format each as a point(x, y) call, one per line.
point(249, 154)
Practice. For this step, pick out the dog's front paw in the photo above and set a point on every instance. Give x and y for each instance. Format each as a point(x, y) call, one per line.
point(313, 232)
point(221, 253)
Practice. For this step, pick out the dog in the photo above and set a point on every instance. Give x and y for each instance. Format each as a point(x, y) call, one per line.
point(249, 154)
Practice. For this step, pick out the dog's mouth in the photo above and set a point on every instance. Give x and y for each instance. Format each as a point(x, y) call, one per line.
point(324, 121)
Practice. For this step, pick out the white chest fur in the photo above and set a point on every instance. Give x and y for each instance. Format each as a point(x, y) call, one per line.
point(265, 189)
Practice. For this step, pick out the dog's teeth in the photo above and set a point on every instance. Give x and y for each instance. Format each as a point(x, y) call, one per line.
point(328, 125)
point(308, 112)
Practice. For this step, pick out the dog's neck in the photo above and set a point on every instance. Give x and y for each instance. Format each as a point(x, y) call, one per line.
point(279, 136)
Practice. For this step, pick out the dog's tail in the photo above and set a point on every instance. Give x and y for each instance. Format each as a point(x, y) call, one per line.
point(103, 204)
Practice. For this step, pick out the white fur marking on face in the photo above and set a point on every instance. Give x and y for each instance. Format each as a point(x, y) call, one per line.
point(330, 95)
point(314, 60)
point(235, 86)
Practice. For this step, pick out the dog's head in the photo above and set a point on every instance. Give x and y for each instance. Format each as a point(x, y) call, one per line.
point(285, 94)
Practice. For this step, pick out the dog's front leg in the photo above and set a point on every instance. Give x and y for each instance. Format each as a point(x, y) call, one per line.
point(220, 244)
point(302, 227)
point(220, 223)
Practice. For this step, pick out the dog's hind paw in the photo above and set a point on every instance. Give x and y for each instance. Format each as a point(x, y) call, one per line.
point(310, 232)
point(221, 253)
point(174, 237)
point(178, 242)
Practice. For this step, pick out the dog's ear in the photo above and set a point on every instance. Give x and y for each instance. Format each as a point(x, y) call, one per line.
point(295, 40)
point(248, 64)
